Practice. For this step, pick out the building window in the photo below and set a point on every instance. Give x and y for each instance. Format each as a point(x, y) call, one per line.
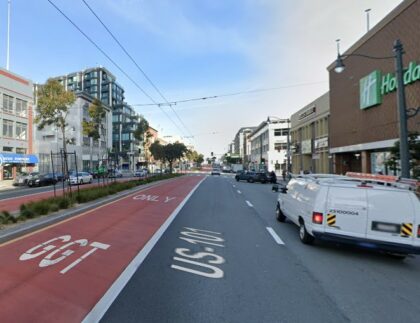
point(8, 149)
point(125, 136)
point(21, 131)
point(7, 103)
point(21, 151)
point(7, 128)
point(281, 132)
point(280, 146)
point(21, 107)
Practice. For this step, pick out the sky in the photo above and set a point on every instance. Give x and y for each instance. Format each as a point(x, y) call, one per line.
point(193, 49)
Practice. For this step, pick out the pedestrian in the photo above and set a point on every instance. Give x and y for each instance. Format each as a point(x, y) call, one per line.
point(283, 173)
point(273, 177)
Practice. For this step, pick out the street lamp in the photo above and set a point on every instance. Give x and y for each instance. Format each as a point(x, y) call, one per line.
point(402, 111)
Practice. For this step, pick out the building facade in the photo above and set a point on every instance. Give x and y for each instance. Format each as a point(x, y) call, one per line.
point(269, 145)
point(125, 147)
point(241, 144)
point(16, 122)
point(89, 154)
point(309, 137)
point(364, 122)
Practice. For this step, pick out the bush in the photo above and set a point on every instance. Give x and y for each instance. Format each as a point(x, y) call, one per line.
point(64, 203)
point(26, 213)
point(6, 217)
point(40, 207)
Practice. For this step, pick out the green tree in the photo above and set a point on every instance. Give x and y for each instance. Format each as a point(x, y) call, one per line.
point(53, 103)
point(142, 134)
point(199, 159)
point(93, 128)
point(157, 151)
point(414, 149)
point(173, 152)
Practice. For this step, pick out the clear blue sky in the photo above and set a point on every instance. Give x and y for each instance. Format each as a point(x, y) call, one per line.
point(194, 48)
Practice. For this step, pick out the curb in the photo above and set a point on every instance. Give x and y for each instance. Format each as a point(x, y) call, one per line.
point(45, 221)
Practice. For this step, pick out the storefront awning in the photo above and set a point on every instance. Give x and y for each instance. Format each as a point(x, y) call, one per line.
point(7, 158)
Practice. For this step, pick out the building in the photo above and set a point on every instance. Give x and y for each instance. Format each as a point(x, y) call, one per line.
point(241, 143)
point(89, 153)
point(269, 145)
point(16, 120)
point(97, 82)
point(125, 147)
point(364, 121)
point(309, 137)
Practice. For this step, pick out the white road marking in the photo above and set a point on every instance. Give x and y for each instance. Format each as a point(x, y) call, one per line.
point(249, 203)
point(108, 298)
point(234, 185)
point(239, 192)
point(275, 236)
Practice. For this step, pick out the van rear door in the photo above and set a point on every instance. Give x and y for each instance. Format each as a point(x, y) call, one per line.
point(346, 212)
point(391, 216)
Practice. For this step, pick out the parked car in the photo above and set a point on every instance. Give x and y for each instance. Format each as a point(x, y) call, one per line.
point(116, 173)
point(251, 177)
point(42, 180)
point(140, 172)
point(22, 178)
point(80, 178)
point(367, 212)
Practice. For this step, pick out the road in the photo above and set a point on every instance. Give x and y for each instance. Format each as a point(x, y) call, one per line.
point(197, 249)
point(262, 281)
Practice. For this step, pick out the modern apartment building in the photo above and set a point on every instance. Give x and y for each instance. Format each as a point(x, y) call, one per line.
point(269, 145)
point(89, 84)
point(16, 122)
point(125, 148)
point(309, 137)
point(89, 153)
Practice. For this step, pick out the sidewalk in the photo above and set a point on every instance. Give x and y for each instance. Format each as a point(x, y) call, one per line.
point(7, 185)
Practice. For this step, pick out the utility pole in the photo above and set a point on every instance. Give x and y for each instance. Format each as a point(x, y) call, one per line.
point(8, 36)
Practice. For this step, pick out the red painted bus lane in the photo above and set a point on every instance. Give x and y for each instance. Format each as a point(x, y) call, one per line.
point(59, 273)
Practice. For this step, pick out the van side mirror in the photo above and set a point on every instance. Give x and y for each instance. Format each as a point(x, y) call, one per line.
point(275, 188)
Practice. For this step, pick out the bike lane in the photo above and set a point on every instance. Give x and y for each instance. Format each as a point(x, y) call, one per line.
point(58, 274)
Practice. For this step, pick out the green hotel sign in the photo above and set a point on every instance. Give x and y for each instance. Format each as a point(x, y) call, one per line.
point(375, 85)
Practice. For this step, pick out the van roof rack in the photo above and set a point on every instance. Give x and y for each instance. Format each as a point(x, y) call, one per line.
point(388, 180)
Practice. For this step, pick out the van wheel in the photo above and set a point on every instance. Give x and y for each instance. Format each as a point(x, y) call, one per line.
point(304, 236)
point(279, 214)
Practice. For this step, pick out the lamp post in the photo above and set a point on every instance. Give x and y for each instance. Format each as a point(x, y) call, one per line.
point(402, 110)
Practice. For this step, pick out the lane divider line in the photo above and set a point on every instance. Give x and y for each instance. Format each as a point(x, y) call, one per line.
point(112, 293)
point(239, 192)
point(275, 236)
point(249, 203)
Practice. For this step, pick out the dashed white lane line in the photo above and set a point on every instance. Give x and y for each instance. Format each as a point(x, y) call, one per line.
point(275, 236)
point(239, 192)
point(249, 203)
point(234, 185)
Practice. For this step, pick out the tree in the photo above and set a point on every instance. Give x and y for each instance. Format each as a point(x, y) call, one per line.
point(173, 152)
point(52, 108)
point(199, 160)
point(414, 149)
point(142, 134)
point(168, 153)
point(157, 151)
point(92, 128)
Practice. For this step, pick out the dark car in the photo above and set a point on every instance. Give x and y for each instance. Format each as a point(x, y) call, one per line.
point(42, 180)
point(244, 175)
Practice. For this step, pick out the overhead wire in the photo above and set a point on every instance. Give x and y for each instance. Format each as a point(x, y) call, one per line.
point(136, 64)
point(231, 94)
point(112, 61)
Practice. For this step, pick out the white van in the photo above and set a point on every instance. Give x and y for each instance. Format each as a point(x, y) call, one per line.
point(369, 212)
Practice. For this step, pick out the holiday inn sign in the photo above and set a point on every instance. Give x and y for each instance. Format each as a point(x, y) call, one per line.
point(374, 86)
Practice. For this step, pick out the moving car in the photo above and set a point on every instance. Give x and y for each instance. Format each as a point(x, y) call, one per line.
point(42, 180)
point(80, 178)
point(371, 211)
point(215, 171)
point(140, 172)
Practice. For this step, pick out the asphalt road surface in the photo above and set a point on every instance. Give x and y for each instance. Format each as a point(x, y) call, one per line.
point(219, 262)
